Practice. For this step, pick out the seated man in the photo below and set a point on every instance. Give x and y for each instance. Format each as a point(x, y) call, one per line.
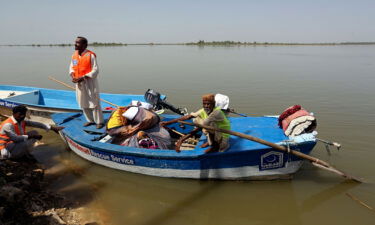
point(125, 123)
point(211, 116)
point(14, 141)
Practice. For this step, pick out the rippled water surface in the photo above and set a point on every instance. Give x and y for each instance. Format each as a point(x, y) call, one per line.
point(334, 82)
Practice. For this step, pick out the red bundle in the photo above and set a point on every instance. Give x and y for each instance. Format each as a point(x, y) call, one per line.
point(289, 111)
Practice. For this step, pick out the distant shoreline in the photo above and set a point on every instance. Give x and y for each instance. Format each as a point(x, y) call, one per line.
point(199, 43)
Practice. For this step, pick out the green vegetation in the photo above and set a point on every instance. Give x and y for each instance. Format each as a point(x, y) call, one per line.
point(106, 44)
point(198, 43)
point(231, 43)
point(42, 45)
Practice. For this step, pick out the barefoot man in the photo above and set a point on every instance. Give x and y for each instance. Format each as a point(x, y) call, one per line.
point(211, 116)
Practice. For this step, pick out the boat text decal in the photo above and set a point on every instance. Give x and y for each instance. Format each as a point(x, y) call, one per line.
point(7, 104)
point(102, 155)
point(271, 160)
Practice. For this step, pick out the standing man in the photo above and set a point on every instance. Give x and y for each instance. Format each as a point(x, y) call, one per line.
point(84, 71)
point(15, 142)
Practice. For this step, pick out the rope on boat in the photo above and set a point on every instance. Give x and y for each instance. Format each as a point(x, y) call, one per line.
point(289, 151)
point(329, 143)
point(288, 147)
point(337, 145)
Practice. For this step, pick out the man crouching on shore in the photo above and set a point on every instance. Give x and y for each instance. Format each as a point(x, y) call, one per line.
point(15, 142)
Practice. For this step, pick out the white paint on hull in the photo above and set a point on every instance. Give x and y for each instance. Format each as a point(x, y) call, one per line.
point(239, 173)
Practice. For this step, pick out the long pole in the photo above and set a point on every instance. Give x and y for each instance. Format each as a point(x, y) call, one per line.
point(68, 86)
point(315, 161)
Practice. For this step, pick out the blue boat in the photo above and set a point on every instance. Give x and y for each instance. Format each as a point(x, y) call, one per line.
point(42, 102)
point(244, 160)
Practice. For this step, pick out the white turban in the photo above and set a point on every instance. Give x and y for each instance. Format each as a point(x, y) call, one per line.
point(130, 113)
point(222, 101)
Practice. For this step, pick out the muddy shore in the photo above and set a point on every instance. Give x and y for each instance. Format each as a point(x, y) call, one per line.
point(25, 197)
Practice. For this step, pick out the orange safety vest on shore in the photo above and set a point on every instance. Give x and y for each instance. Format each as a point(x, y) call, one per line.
point(4, 139)
point(82, 64)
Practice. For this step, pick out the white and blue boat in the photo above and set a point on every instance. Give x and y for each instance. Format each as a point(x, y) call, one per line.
point(244, 160)
point(42, 102)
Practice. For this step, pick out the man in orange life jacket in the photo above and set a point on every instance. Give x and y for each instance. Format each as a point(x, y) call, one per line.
point(15, 142)
point(84, 71)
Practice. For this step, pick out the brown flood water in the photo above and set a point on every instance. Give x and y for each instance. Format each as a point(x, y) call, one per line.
point(334, 82)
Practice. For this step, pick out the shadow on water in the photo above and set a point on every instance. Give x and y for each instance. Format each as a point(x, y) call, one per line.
point(182, 205)
point(223, 207)
point(147, 200)
point(325, 195)
point(62, 174)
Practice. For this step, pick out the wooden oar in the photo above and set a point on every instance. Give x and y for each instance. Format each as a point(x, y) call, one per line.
point(68, 86)
point(234, 112)
point(185, 137)
point(315, 161)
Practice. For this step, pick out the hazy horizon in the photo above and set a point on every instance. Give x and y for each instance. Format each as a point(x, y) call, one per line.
point(167, 21)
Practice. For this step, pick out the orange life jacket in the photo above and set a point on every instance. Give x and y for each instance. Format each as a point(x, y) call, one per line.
point(82, 63)
point(4, 139)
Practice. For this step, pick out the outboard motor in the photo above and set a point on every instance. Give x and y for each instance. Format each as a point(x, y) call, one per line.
point(154, 98)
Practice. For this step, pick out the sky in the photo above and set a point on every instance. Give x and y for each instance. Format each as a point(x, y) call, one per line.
point(181, 21)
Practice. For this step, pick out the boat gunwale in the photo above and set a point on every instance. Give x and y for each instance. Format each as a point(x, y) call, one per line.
point(167, 153)
point(29, 89)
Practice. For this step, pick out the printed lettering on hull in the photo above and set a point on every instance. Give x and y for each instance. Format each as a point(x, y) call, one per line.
point(7, 104)
point(102, 155)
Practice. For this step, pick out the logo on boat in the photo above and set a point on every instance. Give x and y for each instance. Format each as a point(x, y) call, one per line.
point(271, 160)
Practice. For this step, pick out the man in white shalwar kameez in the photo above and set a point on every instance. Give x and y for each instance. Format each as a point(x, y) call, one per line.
point(84, 71)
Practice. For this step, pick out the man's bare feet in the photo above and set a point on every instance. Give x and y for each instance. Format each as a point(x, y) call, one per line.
point(88, 124)
point(211, 149)
point(204, 145)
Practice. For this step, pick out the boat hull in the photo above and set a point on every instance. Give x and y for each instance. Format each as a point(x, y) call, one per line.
point(245, 160)
point(131, 163)
point(121, 162)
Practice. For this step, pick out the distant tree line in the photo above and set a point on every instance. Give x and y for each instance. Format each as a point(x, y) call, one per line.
point(229, 43)
point(107, 44)
point(199, 43)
